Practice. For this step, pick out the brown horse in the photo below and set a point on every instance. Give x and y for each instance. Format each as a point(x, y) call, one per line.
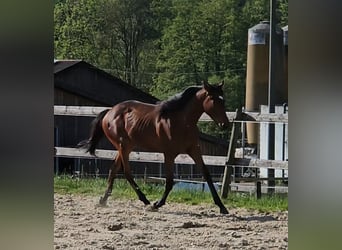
point(168, 127)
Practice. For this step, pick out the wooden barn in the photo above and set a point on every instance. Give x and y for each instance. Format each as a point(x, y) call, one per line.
point(78, 83)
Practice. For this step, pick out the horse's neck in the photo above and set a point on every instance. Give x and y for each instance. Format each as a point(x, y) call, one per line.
point(193, 110)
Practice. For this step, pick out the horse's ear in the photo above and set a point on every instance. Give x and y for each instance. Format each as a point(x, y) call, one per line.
point(221, 84)
point(206, 85)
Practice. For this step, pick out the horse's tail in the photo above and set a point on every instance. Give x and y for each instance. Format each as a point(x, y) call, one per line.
point(96, 133)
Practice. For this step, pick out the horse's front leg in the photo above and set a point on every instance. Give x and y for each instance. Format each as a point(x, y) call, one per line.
point(195, 154)
point(114, 169)
point(169, 165)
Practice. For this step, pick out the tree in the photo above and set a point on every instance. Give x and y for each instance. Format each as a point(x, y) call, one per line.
point(176, 63)
point(115, 35)
point(78, 25)
point(202, 40)
point(130, 23)
point(283, 12)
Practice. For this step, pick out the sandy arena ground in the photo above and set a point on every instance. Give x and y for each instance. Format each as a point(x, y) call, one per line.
point(128, 224)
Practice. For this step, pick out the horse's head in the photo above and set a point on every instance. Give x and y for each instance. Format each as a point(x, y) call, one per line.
point(213, 103)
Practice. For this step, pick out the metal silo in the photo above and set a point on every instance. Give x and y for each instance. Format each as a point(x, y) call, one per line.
point(258, 73)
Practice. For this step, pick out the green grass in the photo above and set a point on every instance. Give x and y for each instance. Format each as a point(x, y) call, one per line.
point(121, 189)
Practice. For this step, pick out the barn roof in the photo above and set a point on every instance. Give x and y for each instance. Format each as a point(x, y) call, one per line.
point(60, 65)
point(70, 76)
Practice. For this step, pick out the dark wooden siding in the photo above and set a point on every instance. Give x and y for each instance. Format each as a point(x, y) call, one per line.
point(63, 97)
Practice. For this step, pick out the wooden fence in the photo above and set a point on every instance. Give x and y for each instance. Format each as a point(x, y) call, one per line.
point(228, 162)
point(264, 163)
point(245, 116)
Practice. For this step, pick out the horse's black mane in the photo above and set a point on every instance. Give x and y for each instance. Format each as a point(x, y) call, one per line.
point(178, 101)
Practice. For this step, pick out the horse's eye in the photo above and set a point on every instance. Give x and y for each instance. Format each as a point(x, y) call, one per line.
point(219, 99)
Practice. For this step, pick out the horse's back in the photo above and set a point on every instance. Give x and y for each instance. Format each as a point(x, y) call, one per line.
point(130, 106)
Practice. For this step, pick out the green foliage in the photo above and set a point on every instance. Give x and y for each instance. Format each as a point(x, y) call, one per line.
point(255, 11)
point(121, 189)
point(114, 35)
point(283, 12)
point(76, 34)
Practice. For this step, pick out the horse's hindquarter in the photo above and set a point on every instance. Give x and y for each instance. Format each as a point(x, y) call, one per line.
point(140, 126)
point(126, 121)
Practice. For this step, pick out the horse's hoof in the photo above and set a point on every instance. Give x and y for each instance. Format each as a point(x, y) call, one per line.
point(102, 202)
point(151, 208)
point(224, 210)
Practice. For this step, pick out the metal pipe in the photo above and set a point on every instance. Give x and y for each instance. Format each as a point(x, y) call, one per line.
point(271, 87)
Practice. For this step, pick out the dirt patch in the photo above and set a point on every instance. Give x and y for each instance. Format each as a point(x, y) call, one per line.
point(128, 224)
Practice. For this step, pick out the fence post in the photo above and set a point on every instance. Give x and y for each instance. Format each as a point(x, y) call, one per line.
point(263, 141)
point(145, 175)
point(231, 157)
point(258, 189)
point(279, 137)
point(56, 137)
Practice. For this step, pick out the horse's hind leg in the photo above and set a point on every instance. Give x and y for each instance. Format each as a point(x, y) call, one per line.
point(169, 181)
point(129, 177)
point(114, 169)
